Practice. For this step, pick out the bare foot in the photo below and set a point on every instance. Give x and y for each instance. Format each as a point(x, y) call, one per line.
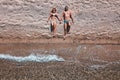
point(68, 33)
point(64, 37)
point(54, 36)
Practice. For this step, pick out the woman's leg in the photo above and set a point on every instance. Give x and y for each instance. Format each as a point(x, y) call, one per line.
point(51, 27)
point(54, 29)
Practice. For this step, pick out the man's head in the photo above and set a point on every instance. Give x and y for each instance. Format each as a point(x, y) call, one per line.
point(66, 8)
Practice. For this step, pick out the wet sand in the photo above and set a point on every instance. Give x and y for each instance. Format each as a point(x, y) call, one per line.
point(60, 39)
point(82, 62)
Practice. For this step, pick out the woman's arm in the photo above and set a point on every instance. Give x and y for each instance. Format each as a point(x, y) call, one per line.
point(58, 17)
point(49, 18)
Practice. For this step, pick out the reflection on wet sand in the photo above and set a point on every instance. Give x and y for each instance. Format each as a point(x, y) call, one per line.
point(81, 62)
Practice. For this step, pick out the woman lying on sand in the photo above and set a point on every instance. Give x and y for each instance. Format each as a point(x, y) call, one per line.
point(53, 20)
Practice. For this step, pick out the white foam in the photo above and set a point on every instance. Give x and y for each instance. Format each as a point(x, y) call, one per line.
point(98, 66)
point(32, 57)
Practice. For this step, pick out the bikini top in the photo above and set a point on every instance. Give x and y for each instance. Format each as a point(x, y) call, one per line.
point(53, 14)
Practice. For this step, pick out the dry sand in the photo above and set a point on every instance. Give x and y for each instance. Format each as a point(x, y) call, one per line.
point(96, 21)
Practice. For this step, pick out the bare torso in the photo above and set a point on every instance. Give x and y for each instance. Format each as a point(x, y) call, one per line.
point(66, 15)
point(53, 16)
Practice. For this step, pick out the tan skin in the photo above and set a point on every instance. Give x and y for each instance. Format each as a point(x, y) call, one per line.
point(53, 17)
point(67, 16)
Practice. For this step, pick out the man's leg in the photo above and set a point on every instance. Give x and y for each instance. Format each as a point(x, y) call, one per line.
point(65, 29)
point(68, 27)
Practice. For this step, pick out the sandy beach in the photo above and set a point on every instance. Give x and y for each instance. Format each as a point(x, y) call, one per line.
point(28, 51)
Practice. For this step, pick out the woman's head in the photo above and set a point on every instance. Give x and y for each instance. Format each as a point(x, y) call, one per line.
point(53, 10)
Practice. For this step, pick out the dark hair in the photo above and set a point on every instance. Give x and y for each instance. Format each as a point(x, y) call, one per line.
point(52, 11)
point(66, 8)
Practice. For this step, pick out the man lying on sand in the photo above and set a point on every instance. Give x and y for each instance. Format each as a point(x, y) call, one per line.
point(67, 17)
point(53, 18)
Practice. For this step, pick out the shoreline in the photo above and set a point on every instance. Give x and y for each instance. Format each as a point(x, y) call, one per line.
point(62, 41)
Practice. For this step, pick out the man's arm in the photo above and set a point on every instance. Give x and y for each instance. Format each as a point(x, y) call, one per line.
point(71, 17)
point(63, 16)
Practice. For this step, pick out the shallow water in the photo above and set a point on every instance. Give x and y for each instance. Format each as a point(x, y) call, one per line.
point(60, 52)
point(59, 62)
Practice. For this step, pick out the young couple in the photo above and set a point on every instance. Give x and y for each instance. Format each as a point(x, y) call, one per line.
point(66, 17)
